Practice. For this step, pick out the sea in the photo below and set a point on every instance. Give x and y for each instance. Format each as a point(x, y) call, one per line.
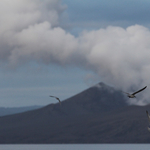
point(74, 146)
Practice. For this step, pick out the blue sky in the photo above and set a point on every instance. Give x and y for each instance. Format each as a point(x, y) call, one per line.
point(63, 47)
point(95, 14)
point(32, 85)
point(108, 10)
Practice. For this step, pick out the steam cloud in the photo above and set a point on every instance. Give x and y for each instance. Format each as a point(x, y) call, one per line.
point(30, 31)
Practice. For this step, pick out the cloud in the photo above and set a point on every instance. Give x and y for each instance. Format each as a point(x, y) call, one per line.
point(119, 56)
point(115, 52)
point(24, 23)
point(30, 31)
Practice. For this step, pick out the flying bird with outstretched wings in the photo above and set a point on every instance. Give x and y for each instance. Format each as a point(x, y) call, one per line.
point(148, 119)
point(133, 94)
point(56, 98)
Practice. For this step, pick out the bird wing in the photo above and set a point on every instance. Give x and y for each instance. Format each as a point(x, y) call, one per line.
point(139, 90)
point(148, 115)
point(56, 98)
point(59, 101)
point(51, 96)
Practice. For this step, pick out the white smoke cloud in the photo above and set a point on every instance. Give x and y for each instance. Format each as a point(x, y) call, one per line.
point(120, 57)
point(30, 31)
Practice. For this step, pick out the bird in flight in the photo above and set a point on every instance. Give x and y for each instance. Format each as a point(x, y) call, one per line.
point(56, 98)
point(133, 94)
point(148, 119)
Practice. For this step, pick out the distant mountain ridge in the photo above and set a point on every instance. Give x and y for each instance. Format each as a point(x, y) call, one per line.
point(99, 114)
point(14, 110)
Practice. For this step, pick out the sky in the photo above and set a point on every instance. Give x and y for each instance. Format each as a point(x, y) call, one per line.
point(62, 47)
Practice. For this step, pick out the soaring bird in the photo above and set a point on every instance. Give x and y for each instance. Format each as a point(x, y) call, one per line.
point(56, 98)
point(148, 119)
point(133, 94)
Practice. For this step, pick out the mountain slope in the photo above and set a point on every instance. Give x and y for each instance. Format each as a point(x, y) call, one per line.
point(99, 98)
point(97, 115)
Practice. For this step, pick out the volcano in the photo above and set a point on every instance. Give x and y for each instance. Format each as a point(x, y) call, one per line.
point(99, 114)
